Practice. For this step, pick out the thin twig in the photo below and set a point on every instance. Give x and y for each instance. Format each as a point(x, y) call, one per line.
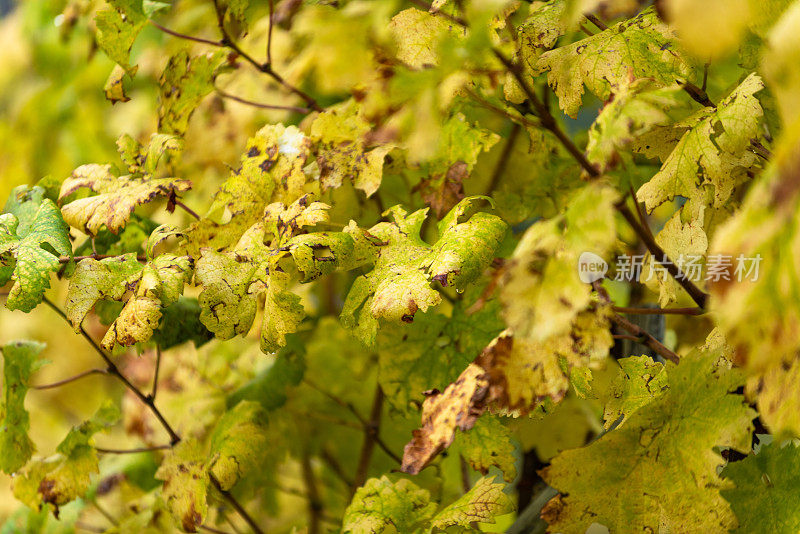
point(133, 451)
point(236, 506)
point(114, 370)
point(596, 21)
point(245, 101)
point(71, 379)
point(269, 31)
point(640, 211)
point(334, 465)
point(314, 502)
point(371, 431)
point(659, 311)
point(184, 36)
point(187, 209)
point(628, 336)
point(500, 167)
point(155, 374)
point(646, 338)
point(266, 68)
point(659, 255)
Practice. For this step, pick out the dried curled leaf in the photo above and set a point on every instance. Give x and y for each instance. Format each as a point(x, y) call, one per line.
point(457, 407)
point(117, 197)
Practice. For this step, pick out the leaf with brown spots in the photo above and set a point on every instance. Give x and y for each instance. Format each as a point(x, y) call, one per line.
point(402, 281)
point(117, 197)
point(457, 407)
point(186, 482)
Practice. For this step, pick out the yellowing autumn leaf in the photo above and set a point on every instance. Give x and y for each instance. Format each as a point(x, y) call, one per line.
point(117, 197)
point(660, 469)
point(642, 46)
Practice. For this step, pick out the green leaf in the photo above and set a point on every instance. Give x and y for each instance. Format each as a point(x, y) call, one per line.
point(33, 233)
point(186, 480)
point(485, 501)
point(488, 444)
point(20, 360)
point(659, 470)
point(180, 322)
point(713, 150)
point(238, 443)
point(184, 83)
point(381, 504)
point(400, 284)
point(270, 387)
point(642, 46)
point(640, 381)
point(118, 196)
point(418, 35)
point(431, 352)
point(767, 487)
point(117, 29)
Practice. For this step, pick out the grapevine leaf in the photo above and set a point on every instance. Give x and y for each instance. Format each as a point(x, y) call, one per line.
point(488, 444)
point(161, 284)
point(400, 283)
point(227, 309)
point(145, 159)
point(184, 83)
point(636, 108)
point(680, 242)
point(523, 373)
point(271, 170)
point(117, 197)
point(93, 281)
point(65, 476)
point(338, 134)
point(766, 489)
point(20, 360)
point(33, 233)
point(418, 35)
point(485, 501)
point(117, 29)
point(660, 469)
point(640, 380)
point(457, 407)
point(114, 87)
point(380, 504)
point(186, 480)
point(237, 443)
point(180, 322)
point(712, 150)
point(542, 292)
point(642, 46)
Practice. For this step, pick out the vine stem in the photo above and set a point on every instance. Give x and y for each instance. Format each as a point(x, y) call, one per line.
point(184, 36)
point(187, 209)
point(71, 379)
point(236, 506)
point(148, 401)
point(370, 433)
point(659, 311)
point(314, 502)
point(245, 101)
point(133, 451)
point(643, 336)
point(114, 370)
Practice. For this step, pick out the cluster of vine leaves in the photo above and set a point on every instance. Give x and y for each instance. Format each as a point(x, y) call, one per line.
point(528, 332)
